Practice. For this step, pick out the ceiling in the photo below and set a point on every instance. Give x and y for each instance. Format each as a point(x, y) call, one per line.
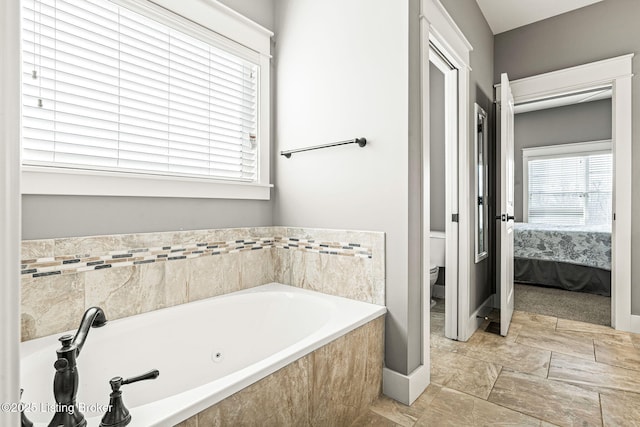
point(505, 15)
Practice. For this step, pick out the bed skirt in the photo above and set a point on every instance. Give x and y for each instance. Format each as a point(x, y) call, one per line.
point(571, 277)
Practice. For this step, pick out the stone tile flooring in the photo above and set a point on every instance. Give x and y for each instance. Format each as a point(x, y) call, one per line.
point(546, 372)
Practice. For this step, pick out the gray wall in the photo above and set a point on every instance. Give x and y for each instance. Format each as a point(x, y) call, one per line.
point(345, 71)
point(589, 121)
point(603, 30)
point(437, 148)
point(469, 18)
point(46, 217)
point(68, 216)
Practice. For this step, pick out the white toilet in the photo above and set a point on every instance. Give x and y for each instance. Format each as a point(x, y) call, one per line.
point(437, 256)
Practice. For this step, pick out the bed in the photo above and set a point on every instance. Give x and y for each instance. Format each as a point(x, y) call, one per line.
point(575, 258)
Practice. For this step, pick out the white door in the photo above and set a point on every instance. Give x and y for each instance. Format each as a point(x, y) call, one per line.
point(506, 205)
point(451, 191)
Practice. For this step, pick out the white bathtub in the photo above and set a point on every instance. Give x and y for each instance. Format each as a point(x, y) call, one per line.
point(205, 351)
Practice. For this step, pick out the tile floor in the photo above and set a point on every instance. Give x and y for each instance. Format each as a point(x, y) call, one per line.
point(546, 372)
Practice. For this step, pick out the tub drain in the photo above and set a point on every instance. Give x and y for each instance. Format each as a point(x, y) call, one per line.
point(217, 356)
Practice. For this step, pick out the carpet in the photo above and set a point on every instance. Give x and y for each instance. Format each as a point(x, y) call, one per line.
point(570, 305)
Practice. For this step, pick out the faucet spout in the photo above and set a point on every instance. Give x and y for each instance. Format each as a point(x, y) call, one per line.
point(93, 317)
point(65, 381)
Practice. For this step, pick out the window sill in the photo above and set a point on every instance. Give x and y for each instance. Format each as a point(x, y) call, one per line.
point(48, 181)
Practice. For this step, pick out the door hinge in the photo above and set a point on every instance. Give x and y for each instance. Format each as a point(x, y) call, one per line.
point(455, 217)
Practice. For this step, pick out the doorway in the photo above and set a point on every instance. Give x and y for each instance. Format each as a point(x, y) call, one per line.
point(444, 46)
point(443, 170)
point(614, 73)
point(437, 31)
point(563, 189)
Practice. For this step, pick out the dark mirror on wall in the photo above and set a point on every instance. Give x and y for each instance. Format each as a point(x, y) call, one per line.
point(481, 177)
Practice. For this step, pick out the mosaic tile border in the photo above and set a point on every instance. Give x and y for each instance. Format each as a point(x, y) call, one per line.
point(71, 264)
point(329, 248)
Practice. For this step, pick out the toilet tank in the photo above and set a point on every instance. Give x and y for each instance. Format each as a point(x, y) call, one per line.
point(437, 248)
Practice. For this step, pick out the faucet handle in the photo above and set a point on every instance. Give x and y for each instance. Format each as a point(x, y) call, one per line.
point(117, 382)
point(118, 415)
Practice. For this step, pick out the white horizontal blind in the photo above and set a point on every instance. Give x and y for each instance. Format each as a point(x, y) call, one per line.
point(574, 190)
point(109, 89)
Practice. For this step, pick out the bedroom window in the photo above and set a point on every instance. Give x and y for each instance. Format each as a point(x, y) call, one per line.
point(569, 184)
point(138, 91)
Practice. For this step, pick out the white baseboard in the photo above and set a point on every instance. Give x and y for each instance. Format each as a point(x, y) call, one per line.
point(477, 317)
point(405, 388)
point(635, 324)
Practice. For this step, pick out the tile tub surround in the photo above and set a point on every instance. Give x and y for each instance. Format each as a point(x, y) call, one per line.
point(130, 274)
point(313, 390)
point(360, 278)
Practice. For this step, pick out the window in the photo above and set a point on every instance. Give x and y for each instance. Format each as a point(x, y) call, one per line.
point(140, 92)
point(568, 184)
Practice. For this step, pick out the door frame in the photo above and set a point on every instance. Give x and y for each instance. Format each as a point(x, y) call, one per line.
point(438, 29)
point(617, 73)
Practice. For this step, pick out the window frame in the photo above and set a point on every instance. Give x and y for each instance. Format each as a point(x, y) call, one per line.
point(231, 32)
point(555, 152)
